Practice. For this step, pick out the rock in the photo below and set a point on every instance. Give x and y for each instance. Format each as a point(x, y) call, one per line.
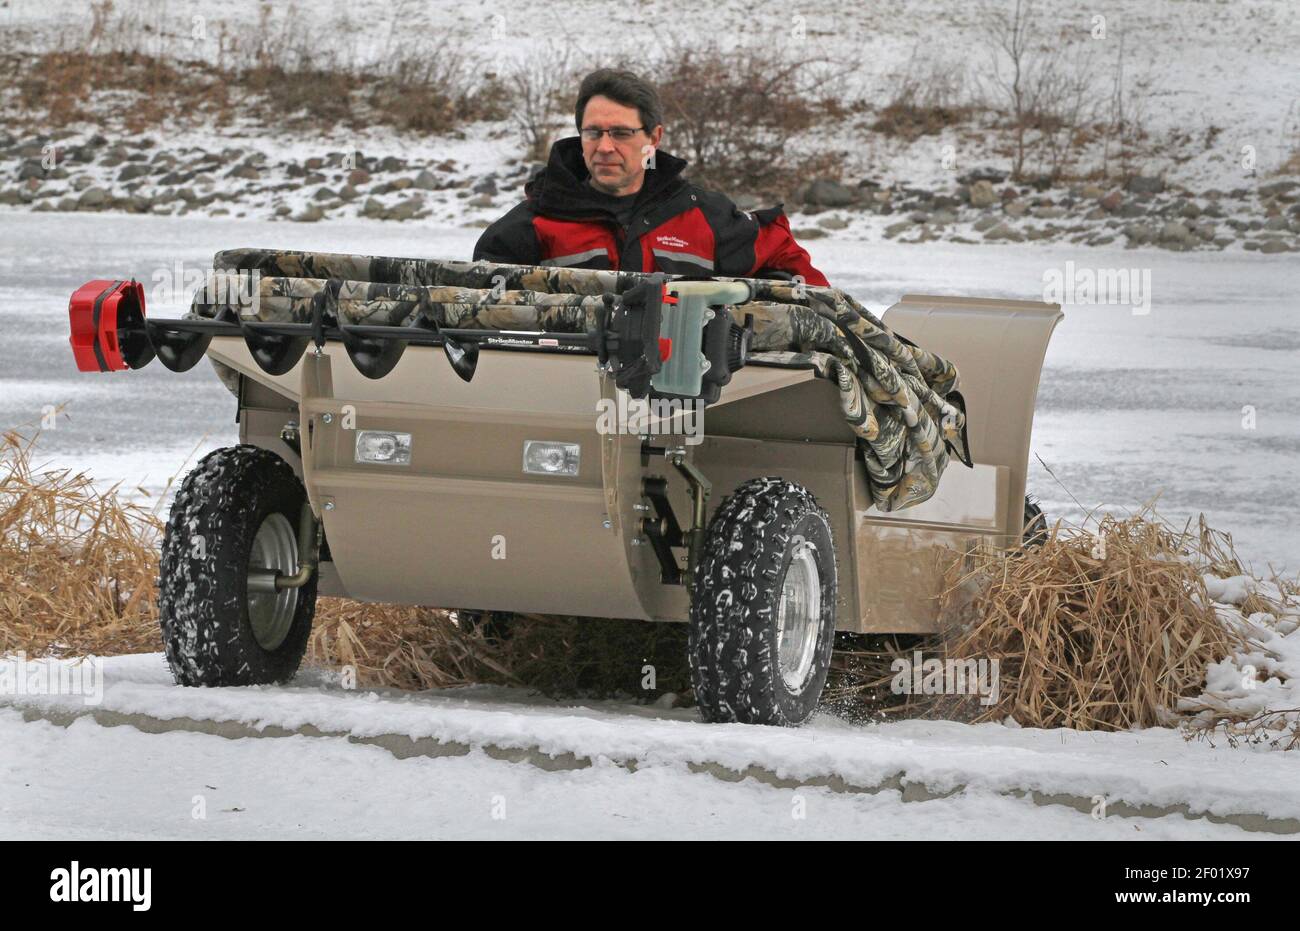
point(1015, 208)
point(132, 171)
point(1043, 232)
point(986, 222)
point(991, 175)
point(283, 210)
point(372, 208)
point(809, 232)
point(919, 216)
point(295, 170)
point(894, 229)
point(31, 169)
point(309, 214)
point(1096, 213)
point(1189, 210)
point(982, 194)
point(943, 217)
point(404, 210)
point(246, 173)
point(348, 192)
point(1276, 223)
point(869, 183)
point(11, 196)
point(1092, 192)
point(323, 193)
point(1275, 188)
point(1274, 245)
point(482, 200)
point(391, 163)
point(315, 163)
point(832, 223)
point(1049, 213)
point(1111, 202)
point(1146, 184)
point(314, 178)
point(1139, 234)
point(1205, 230)
point(450, 165)
point(747, 202)
point(1004, 231)
point(91, 198)
point(1131, 211)
point(66, 204)
point(487, 185)
point(400, 184)
point(827, 193)
point(359, 176)
point(1174, 231)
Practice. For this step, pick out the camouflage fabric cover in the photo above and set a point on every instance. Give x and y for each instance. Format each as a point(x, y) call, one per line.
point(897, 397)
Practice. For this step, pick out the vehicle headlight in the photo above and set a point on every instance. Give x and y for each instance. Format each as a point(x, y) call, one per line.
point(542, 457)
point(383, 446)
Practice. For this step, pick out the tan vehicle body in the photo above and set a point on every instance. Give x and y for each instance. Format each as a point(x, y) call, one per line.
point(463, 526)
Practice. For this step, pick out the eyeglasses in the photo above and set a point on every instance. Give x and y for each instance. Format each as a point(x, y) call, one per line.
point(618, 133)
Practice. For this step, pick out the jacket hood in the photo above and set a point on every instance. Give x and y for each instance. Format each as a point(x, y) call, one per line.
point(561, 189)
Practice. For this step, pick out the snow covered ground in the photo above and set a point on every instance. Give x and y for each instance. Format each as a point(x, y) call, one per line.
point(487, 763)
point(1207, 63)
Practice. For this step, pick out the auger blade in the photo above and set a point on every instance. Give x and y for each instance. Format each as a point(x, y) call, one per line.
point(462, 356)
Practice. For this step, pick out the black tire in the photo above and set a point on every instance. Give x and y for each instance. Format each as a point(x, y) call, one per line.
point(737, 590)
point(1036, 530)
point(203, 603)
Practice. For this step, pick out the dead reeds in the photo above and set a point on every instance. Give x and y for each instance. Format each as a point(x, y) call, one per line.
point(77, 564)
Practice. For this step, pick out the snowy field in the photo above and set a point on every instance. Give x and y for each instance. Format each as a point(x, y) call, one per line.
point(489, 763)
point(1131, 405)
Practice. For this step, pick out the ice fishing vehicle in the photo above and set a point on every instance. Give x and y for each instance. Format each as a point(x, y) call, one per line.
point(557, 465)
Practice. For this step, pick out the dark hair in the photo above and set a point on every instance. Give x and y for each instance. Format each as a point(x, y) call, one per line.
point(621, 87)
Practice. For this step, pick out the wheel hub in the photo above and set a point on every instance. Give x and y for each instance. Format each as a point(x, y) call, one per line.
point(798, 616)
point(275, 548)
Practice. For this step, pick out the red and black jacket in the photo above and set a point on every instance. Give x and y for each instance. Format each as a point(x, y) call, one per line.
point(673, 226)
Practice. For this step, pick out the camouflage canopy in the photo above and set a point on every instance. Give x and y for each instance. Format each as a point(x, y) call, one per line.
point(898, 398)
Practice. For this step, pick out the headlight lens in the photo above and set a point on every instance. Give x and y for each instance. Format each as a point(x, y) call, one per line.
point(542, 457)
point(384, 447)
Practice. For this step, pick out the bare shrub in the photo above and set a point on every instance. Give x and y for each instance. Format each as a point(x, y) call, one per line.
point(736, 114)
point(1046, 85)
point(540, 88)
point(927, 96)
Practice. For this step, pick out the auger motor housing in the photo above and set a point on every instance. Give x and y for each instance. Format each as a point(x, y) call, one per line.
point(674, 338)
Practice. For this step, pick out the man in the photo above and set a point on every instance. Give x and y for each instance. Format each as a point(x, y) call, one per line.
point(610, 199)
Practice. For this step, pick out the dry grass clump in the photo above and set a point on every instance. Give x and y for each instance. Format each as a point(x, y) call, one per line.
point(421, 648)
point(1103, 629)
point(77, 565)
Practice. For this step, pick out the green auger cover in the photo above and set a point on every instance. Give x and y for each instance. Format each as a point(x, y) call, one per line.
point(897, 397)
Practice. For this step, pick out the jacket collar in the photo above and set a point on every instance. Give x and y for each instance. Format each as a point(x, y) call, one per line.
point(561, 189)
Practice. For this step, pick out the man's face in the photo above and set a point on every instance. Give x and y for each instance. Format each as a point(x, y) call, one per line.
point(616, 165)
